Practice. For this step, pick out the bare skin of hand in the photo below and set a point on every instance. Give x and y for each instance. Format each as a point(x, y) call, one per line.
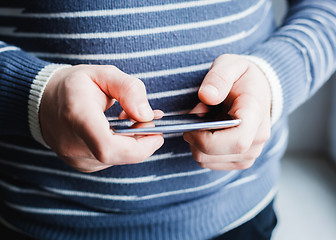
point(73, 123)
point(243, 87)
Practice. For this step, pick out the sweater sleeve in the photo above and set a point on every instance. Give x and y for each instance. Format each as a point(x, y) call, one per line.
point(300, 56)
point(22, 82)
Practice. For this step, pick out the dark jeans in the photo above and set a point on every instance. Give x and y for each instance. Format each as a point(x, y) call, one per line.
point(258, 228)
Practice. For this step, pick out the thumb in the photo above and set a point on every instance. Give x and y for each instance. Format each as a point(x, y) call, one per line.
point(224, 72)
point(128, 90)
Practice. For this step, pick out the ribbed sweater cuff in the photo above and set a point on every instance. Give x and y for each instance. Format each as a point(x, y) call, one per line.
point(284, 64)
point(275, 86)
point(17, 71)
point(35, 95)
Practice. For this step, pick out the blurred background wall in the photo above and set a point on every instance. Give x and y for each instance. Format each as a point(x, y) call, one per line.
point(306, 199)
point(310, 124)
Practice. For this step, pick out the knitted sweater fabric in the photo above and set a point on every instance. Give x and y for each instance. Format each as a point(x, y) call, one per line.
point(170, 46)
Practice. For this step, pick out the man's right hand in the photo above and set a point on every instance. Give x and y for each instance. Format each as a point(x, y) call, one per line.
point(73, 123)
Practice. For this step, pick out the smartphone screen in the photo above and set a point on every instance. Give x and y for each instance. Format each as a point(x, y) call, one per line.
point(175, 124)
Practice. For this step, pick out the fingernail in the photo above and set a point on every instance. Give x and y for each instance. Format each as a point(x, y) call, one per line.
point(159, 142)
point(209, 90)
point(145, 112)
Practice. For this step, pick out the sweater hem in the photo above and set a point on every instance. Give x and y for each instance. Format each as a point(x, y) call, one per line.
point(212, 214)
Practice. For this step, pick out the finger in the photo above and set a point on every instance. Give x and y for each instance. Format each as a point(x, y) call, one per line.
point(93, 127)
point(229, 166)
point(123, 115)
point(128, 90)
point(236, 140)
point(200, 108)
point(251, 155)
point(157, 115)
point(76, 154)
point(225, 71)
point(139, 148)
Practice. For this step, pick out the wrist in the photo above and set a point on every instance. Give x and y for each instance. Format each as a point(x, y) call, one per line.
point(274, 84)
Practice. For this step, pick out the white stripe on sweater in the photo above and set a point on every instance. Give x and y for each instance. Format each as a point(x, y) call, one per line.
point(53, 211)
point(323, 38)
point(174, 71)
point(156, 52)
point(52, 154)
point(304, 55)
point(185, 111)
point(317, 56)
point(187, 190)
point(241, 181)
point(253, 212)
point(172, 93)
point(172, 135)
point(93, 178)
point(8, 31)
point(27, 149)
point(9, 48)
point(133, 197)
point(19, 12)
point(10, 226)
point(317, 5)
point(324, 21)
point(166, 156)
point(21, 190)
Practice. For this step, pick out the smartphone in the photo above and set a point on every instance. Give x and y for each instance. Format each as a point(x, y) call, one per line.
point(175, 124)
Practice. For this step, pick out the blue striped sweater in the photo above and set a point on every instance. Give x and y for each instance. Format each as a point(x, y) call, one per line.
point(170, 46)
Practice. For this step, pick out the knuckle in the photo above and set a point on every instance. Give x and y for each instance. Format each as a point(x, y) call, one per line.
point(263, 135)
point(112, 68)
point(251, 156)
point(63, 149)
point(205, 142)
point(67, 113)
point(70, 108)
point(132, 86)
point(106, 69)
point(243, 165)
point(225, 57)
point(202, 164)
point(103, 155)
point(228, 57)
point(219, 76)
point(241, 146)
point(200, 158)
point(205, 147)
